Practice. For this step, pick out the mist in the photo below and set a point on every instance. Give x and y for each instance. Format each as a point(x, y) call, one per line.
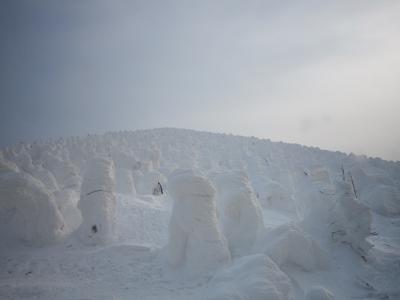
point(320, 74)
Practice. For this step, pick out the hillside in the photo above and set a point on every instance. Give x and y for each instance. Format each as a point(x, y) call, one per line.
point(182, 214)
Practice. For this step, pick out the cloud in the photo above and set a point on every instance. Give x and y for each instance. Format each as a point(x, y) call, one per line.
point(264, 68)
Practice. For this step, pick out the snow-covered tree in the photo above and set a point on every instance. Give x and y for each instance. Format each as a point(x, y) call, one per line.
point(195, 240)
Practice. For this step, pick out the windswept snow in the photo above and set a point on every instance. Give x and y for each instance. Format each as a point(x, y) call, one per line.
point(180, 214)
point(288, 244)
point(319, 293)
point(253, 277)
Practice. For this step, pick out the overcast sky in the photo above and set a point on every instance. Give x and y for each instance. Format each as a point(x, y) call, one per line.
point(323, 73)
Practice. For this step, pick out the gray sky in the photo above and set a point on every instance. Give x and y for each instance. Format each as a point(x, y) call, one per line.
point(323, 73)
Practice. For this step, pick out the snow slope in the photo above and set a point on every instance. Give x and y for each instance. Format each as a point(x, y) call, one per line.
point(182, 214)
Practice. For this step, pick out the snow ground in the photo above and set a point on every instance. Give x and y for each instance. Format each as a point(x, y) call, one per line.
point(134, 265)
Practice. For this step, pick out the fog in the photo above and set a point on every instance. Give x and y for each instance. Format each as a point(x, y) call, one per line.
point(315, 73)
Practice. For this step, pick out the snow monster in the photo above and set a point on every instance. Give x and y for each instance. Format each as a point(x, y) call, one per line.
point(196, 243)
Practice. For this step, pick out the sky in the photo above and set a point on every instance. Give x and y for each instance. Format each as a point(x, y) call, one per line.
point(318, 73)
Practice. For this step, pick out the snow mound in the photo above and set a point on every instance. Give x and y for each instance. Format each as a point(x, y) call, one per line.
point(289, 244)
point(239, 211)
point(27, 211)
point(141, 222)
point(319, 293)
point(195, 240)
point(97, 202)
point(253, 277)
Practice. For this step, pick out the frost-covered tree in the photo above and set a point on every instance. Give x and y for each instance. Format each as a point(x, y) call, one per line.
point(98, 203)
point(239, 211)
point(195, 240)
point(351, 220)
point(27, 210)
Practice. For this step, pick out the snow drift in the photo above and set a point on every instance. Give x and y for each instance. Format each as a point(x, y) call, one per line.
point(289, 244)
point(253, 277)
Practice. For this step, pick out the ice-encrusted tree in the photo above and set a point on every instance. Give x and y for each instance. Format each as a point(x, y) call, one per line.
point(98, 203)
point(27, 210)
point(351, 220)
point(195, 240)
point(239, 211)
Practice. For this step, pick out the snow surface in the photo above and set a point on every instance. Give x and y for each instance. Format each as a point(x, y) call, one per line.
point(239, 218)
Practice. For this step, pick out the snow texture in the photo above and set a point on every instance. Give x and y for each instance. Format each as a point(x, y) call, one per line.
point(319, 293)
point(253, 277)
point(288, 244)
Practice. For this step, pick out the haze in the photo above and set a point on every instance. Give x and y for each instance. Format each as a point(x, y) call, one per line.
point(312, 72)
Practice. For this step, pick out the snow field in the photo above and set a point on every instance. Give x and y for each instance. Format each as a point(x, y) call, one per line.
point(239, 218)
